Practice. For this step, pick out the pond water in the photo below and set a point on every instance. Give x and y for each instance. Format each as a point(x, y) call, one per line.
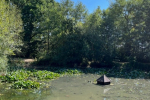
point(82, 87)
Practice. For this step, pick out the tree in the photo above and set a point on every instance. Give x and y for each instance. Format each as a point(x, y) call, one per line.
point(10, 27)
point(99, 51)
point(51, 19)
point(30, 16)
point(127, 26)
point(62, 23)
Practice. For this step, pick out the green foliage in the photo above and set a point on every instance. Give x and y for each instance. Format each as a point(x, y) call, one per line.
point(10, 26)
point(25, 85)
point(19, 75)
point(129, 70)
point(45, 75)
point(24, 79)
point(130, 29)
point(64, 34)
point(3, 63)
point(15, 62)
point(102, 72)
point(15, 76)
point(31, 14)
point(70, 52)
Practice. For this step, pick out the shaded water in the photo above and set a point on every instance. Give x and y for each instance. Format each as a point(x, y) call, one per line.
point(82, 88)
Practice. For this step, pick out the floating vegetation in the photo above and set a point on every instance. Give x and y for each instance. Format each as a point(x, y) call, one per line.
point(25, 85)
point(15, 76)
point(24, 79)
point(30, 78)
point(45, 75)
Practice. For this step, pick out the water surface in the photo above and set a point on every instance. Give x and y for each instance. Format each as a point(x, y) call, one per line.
point(82, 87)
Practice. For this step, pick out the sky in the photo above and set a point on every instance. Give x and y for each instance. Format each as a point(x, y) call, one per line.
point(91, 5)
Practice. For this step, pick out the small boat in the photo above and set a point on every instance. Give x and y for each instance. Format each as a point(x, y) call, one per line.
point(103, 80)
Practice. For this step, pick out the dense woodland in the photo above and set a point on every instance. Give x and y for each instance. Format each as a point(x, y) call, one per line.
point(65, 34)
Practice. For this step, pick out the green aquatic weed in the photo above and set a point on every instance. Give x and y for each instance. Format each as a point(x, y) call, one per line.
point(45, 75)
point(15, 76)
point(25, 85)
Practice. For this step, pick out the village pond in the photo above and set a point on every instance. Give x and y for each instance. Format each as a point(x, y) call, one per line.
point(81, 87)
